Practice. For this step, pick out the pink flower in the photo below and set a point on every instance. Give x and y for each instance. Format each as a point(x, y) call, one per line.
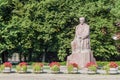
point(73, 64)
point(90, 64)
point(23, 64)
point(54, 63)
point(113, 65)
point(7, 64)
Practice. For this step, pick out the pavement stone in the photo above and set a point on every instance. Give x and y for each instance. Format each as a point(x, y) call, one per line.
point(47, 76)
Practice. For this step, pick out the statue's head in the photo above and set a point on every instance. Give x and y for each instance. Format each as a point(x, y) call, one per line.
point(82, 20)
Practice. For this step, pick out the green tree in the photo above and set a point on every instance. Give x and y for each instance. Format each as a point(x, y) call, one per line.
point(39, 28)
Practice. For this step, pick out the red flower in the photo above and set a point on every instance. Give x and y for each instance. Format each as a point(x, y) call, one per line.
point(90, 64)
point(113, 65)
point(40, 64)
point(23, 64)
point(7, 64)
point(73, 64)
point(54, 63)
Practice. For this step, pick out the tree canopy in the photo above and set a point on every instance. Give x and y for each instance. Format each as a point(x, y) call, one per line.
point(38, 28)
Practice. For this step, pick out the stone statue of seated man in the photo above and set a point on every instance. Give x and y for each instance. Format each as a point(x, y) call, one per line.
point(81, 50)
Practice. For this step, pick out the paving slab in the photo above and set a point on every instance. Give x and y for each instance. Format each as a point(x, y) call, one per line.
point(48, 76)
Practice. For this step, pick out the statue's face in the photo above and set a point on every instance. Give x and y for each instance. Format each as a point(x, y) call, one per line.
point(82, 20)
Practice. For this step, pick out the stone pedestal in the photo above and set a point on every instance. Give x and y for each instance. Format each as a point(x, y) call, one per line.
point(81, 58)
point(113, 71)
point(91, 72)
point(7, 70)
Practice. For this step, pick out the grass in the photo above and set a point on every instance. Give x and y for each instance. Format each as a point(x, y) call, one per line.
point(102, 63)
point(30, 67)
point(46, 65)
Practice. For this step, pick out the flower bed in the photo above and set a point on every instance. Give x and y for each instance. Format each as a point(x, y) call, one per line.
point(21, 67)
point(6, 67)
point(37, 67)
point(72, 68)
point(55, 67)
point(92, 67)
point(111, 68)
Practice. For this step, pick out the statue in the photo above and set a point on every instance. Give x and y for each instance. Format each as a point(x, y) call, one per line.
point(81, 50)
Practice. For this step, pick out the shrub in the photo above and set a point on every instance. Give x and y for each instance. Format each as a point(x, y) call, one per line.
point(71, 66)
point(54, 66)
point(91, 66)
point(21, 67)
point(37, 66)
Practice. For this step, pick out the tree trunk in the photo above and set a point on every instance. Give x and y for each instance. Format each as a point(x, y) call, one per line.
point(4, 56)
point(43, 58)
point(44, 55)
point(20, 56)
point(30, 54)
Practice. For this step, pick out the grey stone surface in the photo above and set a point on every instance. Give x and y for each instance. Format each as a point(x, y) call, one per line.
point(46, 76)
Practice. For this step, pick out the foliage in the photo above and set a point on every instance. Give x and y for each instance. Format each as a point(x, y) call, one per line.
point(118, 68)
point(21, 67)
point(54, 66)
point(1, 68)
point(37, 66)
point(107, 68)
point(91, 66)
point(110, 65)
point(71, 66)
point(40, 27)
point(102, 63)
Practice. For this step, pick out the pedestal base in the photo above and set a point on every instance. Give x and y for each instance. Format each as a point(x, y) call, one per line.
point(81, 58)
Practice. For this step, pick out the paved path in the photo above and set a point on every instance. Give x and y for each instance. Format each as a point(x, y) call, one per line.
point(31, 76)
